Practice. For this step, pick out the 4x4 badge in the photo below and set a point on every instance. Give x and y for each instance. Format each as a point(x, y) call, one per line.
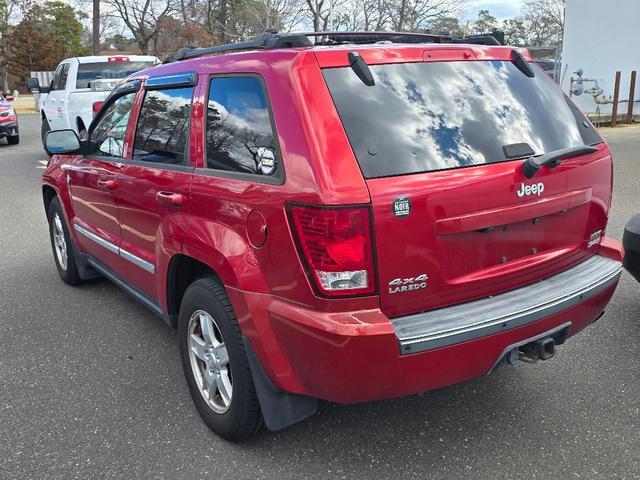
point(398, 285)
point(401, 206)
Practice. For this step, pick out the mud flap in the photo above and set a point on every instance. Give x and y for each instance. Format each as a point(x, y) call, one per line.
point(279, 409)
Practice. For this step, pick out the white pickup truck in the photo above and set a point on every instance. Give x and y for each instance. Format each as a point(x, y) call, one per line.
point(80, 85)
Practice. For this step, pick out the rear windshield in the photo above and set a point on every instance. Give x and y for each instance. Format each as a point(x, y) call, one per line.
point(422, 117)
point(88, 72)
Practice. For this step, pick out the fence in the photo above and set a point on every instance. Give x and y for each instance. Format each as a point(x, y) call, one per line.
point(549, 59)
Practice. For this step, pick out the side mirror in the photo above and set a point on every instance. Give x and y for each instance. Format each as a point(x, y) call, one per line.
point(33, 84)
point(62, 142)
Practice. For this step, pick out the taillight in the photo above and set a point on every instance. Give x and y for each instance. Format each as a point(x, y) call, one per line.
point(7, 115)
point(336, 244)
point(96, 107)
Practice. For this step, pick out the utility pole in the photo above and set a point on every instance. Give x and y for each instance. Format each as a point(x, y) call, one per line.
point(96, 27)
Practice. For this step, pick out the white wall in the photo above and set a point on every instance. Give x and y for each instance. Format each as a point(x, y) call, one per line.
point(602, 36)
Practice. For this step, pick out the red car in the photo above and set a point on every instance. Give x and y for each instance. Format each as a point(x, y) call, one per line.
point(347, 220)
point(9, 121)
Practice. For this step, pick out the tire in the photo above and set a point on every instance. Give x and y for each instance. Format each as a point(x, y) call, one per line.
point(44, 128)
point(206, 302)
point(62, 245)
point(13, 140)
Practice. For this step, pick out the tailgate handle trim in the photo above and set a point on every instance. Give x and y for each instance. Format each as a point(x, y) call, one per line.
point(486, 219)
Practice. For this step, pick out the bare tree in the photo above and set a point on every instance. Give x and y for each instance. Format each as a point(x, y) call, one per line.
point(415, 15)
point(10, 13)
point(7, 9)
point(316, 10)
point(553, 10)
point(366, 15)
point(141, 18)
point(544, 21)
point(95, 31)
point(279, 14)
point(324, 14)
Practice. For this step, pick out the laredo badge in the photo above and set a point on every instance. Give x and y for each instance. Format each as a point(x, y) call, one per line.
point(401, 206)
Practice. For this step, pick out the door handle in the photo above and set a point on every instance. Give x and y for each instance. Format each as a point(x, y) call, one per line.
point(169, 198)
point(108, 184)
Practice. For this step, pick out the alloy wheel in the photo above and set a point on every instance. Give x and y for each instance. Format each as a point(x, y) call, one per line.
point(59, 241)
point(209, 361)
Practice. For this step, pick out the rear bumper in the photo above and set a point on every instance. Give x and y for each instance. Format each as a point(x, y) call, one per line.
point(352, 357)
point(469, 321)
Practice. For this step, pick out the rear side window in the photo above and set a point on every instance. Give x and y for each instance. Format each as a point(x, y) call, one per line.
point(240, 137)
point(421, 117)
point(163, 126)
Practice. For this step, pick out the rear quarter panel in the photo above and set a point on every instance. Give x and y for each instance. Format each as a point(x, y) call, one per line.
point(308, 134)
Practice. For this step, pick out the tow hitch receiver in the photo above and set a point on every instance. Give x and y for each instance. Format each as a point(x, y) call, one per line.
point(542, 349)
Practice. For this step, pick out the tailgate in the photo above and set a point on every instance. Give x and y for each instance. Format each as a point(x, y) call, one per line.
point(441, 145)
point(472, 236)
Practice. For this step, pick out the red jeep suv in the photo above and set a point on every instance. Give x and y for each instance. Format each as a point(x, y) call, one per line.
point(353, 218)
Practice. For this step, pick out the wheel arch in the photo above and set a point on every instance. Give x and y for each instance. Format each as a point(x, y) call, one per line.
point(279, 408)
point(51, 190)
point(48, 194)
point(182, 271)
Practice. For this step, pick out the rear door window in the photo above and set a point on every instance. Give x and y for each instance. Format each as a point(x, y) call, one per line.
point(421, 117)
point(163, 126)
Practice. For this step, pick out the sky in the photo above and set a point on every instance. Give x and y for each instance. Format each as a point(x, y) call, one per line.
point(500, 9)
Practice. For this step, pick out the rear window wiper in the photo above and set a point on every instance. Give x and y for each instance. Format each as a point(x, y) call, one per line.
point(552, 159)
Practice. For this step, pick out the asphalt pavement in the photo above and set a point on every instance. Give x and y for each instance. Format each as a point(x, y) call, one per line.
point(91, 384)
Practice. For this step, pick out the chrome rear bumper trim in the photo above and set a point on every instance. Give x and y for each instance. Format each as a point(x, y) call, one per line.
point(472, 320)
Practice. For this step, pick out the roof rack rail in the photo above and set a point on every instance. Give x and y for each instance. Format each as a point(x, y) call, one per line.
point(483, 39)
point(271, 38)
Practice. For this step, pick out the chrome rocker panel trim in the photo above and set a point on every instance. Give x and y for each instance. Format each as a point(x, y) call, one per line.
point(472, 320)
point(147, 266)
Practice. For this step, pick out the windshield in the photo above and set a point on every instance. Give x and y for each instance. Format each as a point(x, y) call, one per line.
point(88, 72)
point(421, 117)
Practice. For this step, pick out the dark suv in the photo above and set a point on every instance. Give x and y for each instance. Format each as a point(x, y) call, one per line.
point(349, 220)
